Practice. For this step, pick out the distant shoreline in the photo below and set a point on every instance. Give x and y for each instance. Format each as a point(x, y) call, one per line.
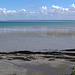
point(37, 21)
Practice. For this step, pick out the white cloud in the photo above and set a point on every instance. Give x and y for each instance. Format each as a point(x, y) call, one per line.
point(4, 10)
point(72, 8)
point(60, 8)
point(22, 10)
point(52, 12)
point(1, 10)
point(43, 9)
point(11, 11)
point(73, 5)
point(56, 7)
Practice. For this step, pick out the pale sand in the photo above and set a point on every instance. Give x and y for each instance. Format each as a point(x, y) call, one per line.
point(10, 69)
point(35, 67)
point(35, 64)
point(56, 63)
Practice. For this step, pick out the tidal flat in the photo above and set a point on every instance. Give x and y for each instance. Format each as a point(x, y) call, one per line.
point(37, 63)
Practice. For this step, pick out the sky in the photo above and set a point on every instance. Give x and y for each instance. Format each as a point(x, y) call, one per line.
point(37, 9)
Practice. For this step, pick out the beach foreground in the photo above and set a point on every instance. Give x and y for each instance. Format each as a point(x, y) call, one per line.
point(37, 63)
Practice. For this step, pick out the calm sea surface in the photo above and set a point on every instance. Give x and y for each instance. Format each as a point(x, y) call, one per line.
point(36, 36)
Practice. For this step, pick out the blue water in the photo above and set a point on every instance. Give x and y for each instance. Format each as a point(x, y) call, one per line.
point(36, 36)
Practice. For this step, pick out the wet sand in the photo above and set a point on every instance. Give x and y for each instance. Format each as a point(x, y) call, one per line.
point(10, 69)
point(37, 63)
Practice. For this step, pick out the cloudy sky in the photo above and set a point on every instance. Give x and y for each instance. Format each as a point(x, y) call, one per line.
point(37, 9)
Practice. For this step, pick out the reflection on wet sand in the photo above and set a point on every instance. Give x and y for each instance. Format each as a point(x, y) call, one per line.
point(10, 69)
point(37, 63)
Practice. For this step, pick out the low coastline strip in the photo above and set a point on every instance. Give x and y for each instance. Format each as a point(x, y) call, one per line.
point(67, 55)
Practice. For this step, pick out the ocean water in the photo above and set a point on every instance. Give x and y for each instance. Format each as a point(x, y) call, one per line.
point(36, 36)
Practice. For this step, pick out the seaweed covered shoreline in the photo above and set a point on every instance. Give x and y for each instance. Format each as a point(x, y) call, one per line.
point(67, 55)
point(48, 63)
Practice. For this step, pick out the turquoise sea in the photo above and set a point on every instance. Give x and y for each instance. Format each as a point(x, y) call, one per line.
point(36, 35)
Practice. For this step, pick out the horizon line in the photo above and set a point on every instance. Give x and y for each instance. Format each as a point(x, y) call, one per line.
point(34, 20)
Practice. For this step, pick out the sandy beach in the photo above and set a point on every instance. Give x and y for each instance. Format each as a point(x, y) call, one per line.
point(10, 69)
point(36, 63)
point(37, 37)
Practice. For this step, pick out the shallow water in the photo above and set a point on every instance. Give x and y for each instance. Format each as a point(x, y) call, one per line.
point(36, 36)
